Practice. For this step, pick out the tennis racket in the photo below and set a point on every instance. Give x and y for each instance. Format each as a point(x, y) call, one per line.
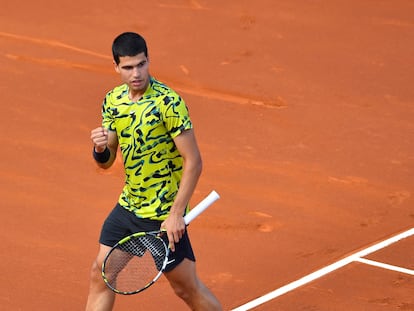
point(138, 260)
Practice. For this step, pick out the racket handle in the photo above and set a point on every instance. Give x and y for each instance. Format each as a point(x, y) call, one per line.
point(200, 207)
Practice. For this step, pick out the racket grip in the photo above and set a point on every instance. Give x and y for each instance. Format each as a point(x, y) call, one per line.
point(200, 207)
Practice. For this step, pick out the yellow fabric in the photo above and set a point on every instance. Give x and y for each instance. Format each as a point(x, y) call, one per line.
point(145, 130)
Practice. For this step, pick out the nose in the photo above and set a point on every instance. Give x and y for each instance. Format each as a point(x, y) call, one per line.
point(136, 72)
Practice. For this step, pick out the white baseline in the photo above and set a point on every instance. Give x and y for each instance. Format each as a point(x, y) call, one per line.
point(324, 271)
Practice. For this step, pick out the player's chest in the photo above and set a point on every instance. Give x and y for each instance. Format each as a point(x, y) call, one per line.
point(136, 117)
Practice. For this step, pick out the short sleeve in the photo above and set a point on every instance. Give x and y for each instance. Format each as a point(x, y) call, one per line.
point(108, 113)
point(175, 114)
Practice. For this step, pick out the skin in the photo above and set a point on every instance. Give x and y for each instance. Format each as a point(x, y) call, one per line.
point(134, 71)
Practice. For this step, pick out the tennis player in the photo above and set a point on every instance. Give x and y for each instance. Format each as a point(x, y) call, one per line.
point(151, 125)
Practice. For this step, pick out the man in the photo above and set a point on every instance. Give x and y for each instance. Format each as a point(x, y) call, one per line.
point(162, 163)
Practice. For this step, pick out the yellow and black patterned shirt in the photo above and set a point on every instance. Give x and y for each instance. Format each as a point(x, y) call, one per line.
point(145, 130)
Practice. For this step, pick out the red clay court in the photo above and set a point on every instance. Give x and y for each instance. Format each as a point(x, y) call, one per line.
point(304, 113)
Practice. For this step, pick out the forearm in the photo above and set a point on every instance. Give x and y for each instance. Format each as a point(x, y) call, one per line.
point(191, 173)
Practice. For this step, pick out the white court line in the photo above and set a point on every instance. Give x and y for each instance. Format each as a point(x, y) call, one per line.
point(385, 266)
point(324, 271)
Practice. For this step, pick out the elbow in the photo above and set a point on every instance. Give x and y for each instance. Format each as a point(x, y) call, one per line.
point(199, 166)
point(195, 165)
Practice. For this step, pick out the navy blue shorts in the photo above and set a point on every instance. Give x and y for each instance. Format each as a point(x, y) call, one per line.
point(121, 223)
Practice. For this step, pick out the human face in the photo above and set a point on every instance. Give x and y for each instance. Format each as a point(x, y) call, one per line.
point(134, 71)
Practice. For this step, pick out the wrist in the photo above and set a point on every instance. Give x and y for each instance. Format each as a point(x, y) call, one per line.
point(177, 212)
point(100, 149)
point(103, 156)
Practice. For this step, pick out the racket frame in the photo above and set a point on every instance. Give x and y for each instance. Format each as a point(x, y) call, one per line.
point(154, 234)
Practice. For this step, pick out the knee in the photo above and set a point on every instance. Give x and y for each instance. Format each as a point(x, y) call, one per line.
point(95, 272)
point(183, 291)
point(197, 297)
point(188, 290)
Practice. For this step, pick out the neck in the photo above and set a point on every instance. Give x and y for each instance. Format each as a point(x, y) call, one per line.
point(135, 95)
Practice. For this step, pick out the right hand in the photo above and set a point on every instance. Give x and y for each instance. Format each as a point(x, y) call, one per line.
point(99, 137)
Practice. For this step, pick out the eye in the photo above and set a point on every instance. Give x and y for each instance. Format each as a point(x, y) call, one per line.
point(142, 64)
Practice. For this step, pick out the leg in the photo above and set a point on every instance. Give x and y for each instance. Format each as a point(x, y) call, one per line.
point(188, 286)
point(100, 297)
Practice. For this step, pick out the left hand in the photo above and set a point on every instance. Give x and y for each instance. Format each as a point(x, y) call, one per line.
point(175, 227)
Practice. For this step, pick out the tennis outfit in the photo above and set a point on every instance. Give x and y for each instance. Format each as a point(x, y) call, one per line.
point(152, 163)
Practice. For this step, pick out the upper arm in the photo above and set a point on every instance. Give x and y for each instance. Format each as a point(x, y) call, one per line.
point(187, 146)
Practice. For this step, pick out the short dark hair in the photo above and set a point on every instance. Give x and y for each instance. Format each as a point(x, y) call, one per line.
point(128, 44)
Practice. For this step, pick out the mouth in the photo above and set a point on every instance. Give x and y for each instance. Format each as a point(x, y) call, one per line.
point(136, 82)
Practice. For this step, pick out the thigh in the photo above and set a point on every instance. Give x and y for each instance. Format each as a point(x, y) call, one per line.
point(183, 250)
point(121, 223)
point(103, 251)
point(183, 276)
point(115, 227)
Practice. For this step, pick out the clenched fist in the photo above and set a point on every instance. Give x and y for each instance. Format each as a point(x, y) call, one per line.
point(99, 137)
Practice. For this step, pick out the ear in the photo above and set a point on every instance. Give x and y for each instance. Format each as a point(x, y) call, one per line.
point(116, 67)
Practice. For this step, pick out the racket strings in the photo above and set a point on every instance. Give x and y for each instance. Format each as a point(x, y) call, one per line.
point(135, 264)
